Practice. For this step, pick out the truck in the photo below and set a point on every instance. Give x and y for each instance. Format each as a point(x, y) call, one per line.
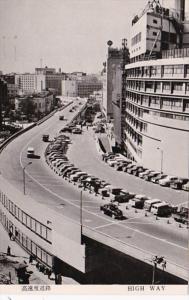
point(181, 215)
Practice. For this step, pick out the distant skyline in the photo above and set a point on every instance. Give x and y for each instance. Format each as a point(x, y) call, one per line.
point(67, 34)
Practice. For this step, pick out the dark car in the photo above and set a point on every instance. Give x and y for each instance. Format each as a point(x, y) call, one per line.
point(177, 184)
point(112, 210)
point(138, 170)
point(77, 131)
point(123, 197)
point(45, 137)
point(61, 118)
point(66, 129)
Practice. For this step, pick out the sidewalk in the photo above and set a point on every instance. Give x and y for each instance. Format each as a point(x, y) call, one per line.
point(18, 255)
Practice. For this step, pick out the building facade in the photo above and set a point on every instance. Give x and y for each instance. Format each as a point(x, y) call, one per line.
point(157, 104)
point(30, 83)
point(53, 79)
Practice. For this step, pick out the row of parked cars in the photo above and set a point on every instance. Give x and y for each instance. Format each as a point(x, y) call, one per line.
point(58, 161)
point(123, 164)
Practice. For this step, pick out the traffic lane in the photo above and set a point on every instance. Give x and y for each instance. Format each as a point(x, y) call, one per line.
point(156, 246)
point(83, 153)
point(87, 218)
point(10, 158)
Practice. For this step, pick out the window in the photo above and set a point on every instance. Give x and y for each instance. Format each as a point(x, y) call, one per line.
point(154, 21)
point(177, 86)
point(154, 33)
point(166, 86)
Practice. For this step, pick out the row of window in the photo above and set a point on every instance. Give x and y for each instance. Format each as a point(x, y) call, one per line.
point(136, 39)
point(142, 127)
point(38, 228)
point(26, 242)
point(156, 85)
point(158, 71)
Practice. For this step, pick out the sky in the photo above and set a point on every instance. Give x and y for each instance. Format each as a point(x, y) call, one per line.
point(67, 34)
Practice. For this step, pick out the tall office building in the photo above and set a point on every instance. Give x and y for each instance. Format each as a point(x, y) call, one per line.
point(157, 90)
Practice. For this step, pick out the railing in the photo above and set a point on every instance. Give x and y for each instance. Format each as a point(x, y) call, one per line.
point(175, 53)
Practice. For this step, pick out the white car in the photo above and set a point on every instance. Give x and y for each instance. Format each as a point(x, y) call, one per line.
point(166, 181)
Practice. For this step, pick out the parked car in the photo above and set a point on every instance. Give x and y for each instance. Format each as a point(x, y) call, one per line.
point(142, 174)
point(30, 152)
point(121, 165)
point(136, 169)
point(76, 131)
point(150, 175)
point(148, 203)
point(130, 165)
point(66, 129)
point(161, 209)
point(61, 118)
point(158, 177)
point(129, 170)
point(112, 210)
point(177, 184)
point(185, 187)
point(167, 180)
point(138, 201)
point(181, 215)
point(123, 197)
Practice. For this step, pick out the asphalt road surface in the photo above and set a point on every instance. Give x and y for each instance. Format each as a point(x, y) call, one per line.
point(146, 233)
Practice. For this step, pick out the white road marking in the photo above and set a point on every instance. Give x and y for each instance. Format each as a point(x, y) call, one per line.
point(89, 212)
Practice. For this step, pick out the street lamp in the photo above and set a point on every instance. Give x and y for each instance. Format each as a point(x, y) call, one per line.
point(157, 260)
point(24, 177)
point(161, 158)
point(81, 215)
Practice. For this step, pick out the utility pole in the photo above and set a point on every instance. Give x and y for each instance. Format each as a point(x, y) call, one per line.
point(24, 177)
point(81, 215)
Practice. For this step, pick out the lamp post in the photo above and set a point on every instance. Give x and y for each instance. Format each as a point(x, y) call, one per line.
point(81, 215)
point(24, 177)
point(158, 260)
point(161, 158)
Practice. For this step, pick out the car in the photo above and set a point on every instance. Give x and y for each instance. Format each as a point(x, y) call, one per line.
point(142, 174)
point(158, 177)
point(66, 129)
point(138, 170)
point(61, 118)
point(123, 197)
point(167, 180)
point(112, 210)
point(161, 209)
point(138, 201)
point(129, 166)
point(177, 184)
point(30, 152)
point(148, 203)
point(185, 187)
point(150, 175)
point(77, 131)
point(45, 137)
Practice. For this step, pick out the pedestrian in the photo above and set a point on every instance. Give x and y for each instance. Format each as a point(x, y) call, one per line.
point(8, 250)
point(10, 234)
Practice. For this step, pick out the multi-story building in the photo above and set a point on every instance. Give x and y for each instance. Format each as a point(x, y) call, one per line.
point(53, 79)
point(72, 87)
point(69, 88)
point(157, 94)
point(30, 83)
point(3, 98)
point(12, 88)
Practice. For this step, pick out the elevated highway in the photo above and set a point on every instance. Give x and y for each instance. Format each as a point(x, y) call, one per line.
point(136, 237)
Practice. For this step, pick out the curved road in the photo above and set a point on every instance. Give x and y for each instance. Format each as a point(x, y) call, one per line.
point(155, 237)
